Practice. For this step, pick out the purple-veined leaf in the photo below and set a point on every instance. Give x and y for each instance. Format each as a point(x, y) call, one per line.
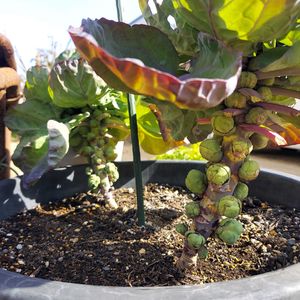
point(104, 44)
point(271, 135)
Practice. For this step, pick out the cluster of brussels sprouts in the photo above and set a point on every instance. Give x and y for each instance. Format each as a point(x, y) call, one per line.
point(93, 141)
point(228, 171)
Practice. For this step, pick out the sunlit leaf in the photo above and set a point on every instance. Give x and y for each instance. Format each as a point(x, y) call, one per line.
point(73, 83)
point(240, 21)
point(150, 137)
point(58, 146)
point(36, 85)
point(162, 15)
point(30, 117)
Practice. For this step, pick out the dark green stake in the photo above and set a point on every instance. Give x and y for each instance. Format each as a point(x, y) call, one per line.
point(135, 146)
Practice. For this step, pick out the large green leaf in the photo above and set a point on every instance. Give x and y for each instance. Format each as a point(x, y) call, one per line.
point(150, 137)
point(162, 15)
point(240, 21)
point(73, 83)
point(30, 117)
point(154, 75)
point(292, 36)
point(288, 59)
point(36, 85)
point(30, 150)
point(58, 146)
point(213, 59)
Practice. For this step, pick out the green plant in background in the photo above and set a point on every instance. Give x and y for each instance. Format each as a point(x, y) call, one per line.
point(209, 74)
point(69, 107)
point(184, 152)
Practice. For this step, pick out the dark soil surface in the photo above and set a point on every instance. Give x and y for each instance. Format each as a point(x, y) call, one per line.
point(80, 240)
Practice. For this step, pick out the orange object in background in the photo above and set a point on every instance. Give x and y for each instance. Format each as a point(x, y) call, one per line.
point(9, 94)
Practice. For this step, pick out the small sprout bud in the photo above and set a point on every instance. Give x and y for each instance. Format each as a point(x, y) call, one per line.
point(86, 150)
point(93, 181)
point(241, 191)
point(229, 231)
point(236, 100)
point(112, 172)
point(94, 123)
point(196, 181)
point(229, 206)
point(91, 136)
point(259, 141)
point(195, 240)
point(192, 209)
point(239, 149)
point(266, 93)
point(202, 252)
point(249, 170)
point(210, 149)
point(247, 80)
point(181, 228)
point(88, 171)
point(83, 130)
point(223, 125)
point(110, 153)
point(75, 140)
point(218, 173)
point(256, 115)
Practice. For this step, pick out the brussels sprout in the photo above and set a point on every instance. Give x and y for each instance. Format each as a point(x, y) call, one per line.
point(202, 252)
point(247, 80)
point(86, 150)
point(195, 240)
point(181, 228)
point(110, 152)
point(249, 170)
point(256, 115)
point(83, 130)
point(91, 136)
point(266, 93)
point(229, 231)
point(101, 142)
point(259, 141)
point(98, 152)
point(93, 181)
point(223, 125)
point(103, 130)
point(196, 181)
point(112, 171)
point(241, 191)
point(88, 171)
point(192, 209)
point(218, 173)
point(239, 149)
point(75, 140)
point(229, 206)
point(94, 123)
point(236, 100)
point(210, 149)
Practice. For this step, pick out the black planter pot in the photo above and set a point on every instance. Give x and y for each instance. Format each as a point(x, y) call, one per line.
point(276, 188)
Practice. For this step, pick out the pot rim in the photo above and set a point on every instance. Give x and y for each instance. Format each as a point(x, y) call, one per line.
point(279, 284)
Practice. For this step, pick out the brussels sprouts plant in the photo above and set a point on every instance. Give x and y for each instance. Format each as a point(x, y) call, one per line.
point(226, 73)
point(69, 107)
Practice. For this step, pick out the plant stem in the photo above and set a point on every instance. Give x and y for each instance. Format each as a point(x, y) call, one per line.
point(208, 219)
point(285, 92)
point(135, 145)
point(136, 160)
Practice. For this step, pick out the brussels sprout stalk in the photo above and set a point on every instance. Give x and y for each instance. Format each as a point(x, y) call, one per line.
point(220, 203)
